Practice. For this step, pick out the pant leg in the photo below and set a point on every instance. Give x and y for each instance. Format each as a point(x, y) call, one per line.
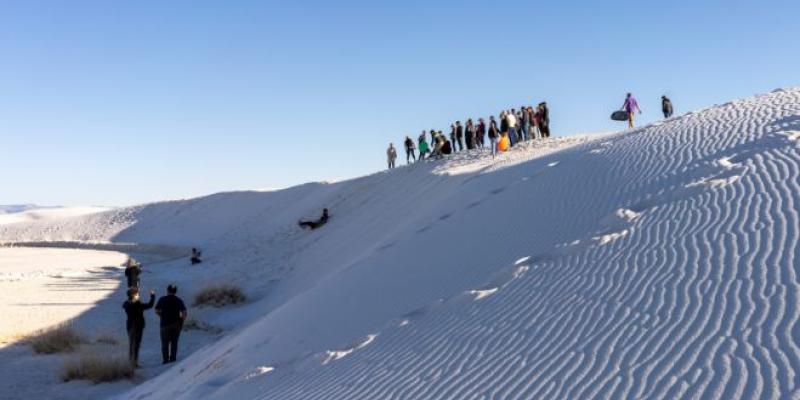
point(175, 334)
point(165, 344)
point(136, 342)
point(493, 143)
point(132, 345)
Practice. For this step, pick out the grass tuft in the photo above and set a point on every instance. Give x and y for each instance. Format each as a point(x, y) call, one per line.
point(59, 339)
point(219, 295)
point(92, 364)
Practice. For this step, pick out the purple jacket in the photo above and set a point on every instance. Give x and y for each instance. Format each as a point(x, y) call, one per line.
point(630, 104)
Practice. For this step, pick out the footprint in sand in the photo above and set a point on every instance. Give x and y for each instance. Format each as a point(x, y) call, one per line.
point(386, 246)
point(474, 204)
point(423, 229)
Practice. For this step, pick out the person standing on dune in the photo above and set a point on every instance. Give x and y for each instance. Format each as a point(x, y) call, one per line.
point(423, 146)
point(132, 271)
point(512, 127)
point(459, 137)
point(469, 132)
point(480, 132)
point(493, 134)
point(135, 309)
point(173, 313)
point(666, 106)
point(544, 120)
point(409, 144)
point(631, 106)
point(391, 155)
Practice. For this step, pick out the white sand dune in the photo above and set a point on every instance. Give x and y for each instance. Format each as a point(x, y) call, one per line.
point(654, 263)
point(48, 214)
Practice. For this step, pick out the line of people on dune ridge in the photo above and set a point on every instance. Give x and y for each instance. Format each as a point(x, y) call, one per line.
point(515, 126)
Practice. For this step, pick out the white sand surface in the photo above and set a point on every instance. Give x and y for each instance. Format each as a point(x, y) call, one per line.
point(43, 287)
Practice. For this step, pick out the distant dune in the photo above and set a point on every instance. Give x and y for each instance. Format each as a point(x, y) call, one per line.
point(27, 213)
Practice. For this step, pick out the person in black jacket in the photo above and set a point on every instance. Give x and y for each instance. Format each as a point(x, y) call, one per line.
point(196, 256)
point(480, 132)
point(459, 136)
point(494, 133)
point(447, 148)
point(132, 272)
point(315, 224)
point(409, 144)
point(470, 134)
point(666, 106)
point(172, 312)
point(544, 122)
point(135, 323)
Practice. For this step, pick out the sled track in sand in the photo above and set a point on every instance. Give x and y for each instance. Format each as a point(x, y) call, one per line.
point(698, 298)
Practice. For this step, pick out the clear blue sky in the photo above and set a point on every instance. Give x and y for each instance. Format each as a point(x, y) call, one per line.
point(116, 103)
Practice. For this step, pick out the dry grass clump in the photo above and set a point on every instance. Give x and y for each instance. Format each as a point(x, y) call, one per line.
point(194, 324)
point(107, 338)
point(58, 339)
point(108, 365)
point(219, 295)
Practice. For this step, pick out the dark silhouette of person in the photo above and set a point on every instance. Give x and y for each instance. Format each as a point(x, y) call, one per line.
point(196, 254)
point(135, 309)
point(315, 224)
point(172, 312)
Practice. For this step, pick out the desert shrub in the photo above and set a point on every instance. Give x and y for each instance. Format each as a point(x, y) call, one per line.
point(58, 339)
point(219, 295)
point(107, 338)
point(98, 366)
point(194, 324)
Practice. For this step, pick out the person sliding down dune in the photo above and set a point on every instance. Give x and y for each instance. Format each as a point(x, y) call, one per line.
point(196, 256)
point(315, 224)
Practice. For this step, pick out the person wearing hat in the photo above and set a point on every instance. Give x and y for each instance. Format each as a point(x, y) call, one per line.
point(135, 309)
point(172, 312)
point(132, 271)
